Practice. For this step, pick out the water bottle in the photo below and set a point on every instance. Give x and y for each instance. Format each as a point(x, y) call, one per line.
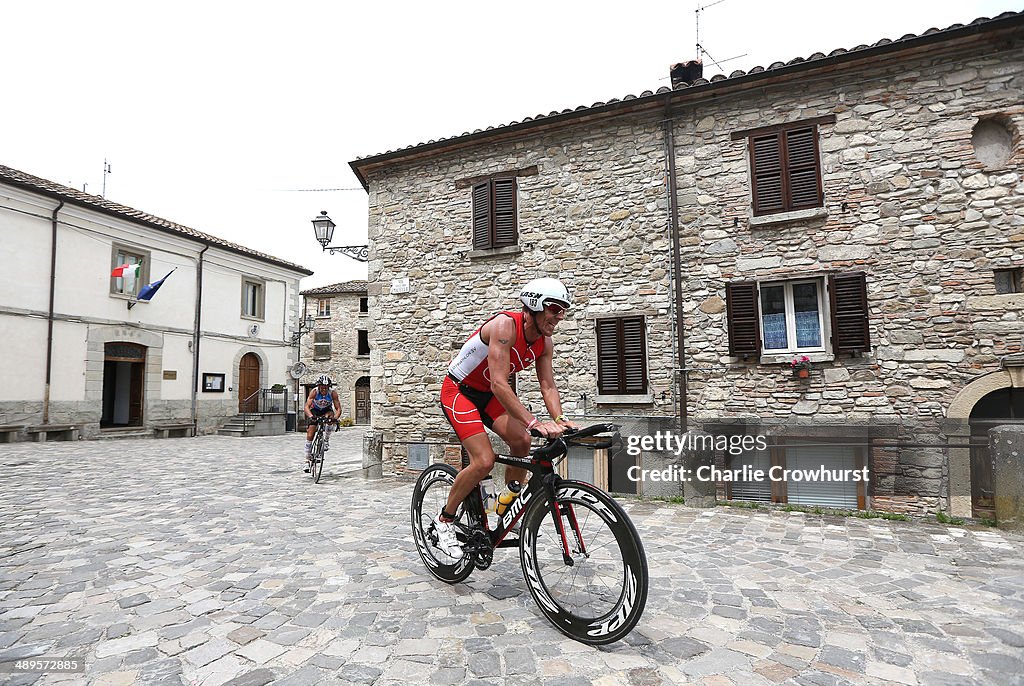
point(507, 495)
point(488, 495)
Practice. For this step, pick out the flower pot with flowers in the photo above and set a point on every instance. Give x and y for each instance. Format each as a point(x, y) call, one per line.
point(801, 367)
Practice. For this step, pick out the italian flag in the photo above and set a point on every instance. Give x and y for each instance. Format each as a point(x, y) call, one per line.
point(128, 272)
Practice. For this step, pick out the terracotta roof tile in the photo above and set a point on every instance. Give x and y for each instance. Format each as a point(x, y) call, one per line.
point(698, 82)
point(100, 204)
point(343, 287)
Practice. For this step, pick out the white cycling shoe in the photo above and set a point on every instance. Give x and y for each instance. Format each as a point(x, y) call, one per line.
point(447, 541)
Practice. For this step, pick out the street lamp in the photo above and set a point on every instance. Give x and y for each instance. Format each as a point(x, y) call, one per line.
point(305, 325)
point(323, 227)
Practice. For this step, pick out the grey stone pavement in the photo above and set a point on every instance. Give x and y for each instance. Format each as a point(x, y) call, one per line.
point(216, 560)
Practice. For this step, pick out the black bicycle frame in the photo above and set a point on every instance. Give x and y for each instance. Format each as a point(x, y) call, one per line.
point(544, 482)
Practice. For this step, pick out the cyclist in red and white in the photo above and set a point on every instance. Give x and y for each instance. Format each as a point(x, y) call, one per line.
point(476, 393)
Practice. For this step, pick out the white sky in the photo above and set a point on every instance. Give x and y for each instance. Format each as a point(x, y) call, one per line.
point(209, 112)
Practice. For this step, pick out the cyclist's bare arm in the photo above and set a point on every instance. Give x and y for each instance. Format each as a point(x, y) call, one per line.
point(308, 409)
point(337, 403)
point(548, 389)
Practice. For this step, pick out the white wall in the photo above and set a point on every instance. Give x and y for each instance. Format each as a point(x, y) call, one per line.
point(83, 302)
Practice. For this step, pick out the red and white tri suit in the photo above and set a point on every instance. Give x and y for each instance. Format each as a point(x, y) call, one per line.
point(466, 397)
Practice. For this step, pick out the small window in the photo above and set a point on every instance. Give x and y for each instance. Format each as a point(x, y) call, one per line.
point(1009, 280)
point(494, 214)
point(622, 356)
point(321, 345)
point(364, 305)
point(323, 307)
point(364, 342)
point(252, 298)
point(129, 286)
point(785, 166)
point(790, 316)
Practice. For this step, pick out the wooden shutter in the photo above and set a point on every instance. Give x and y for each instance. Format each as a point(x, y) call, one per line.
point(766, 166)
point(607, 356)
point(505, 233)
point(802, 168)
point(848, 299)
point(634, 356)
point(482, 215)
point(742, 314)
point(622, 356)
point(785, 170)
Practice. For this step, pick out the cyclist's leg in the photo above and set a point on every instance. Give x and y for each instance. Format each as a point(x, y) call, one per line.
point(515, 435)
point(328, 429)
point(513, 432)
point(481, 462)
point(310, 430)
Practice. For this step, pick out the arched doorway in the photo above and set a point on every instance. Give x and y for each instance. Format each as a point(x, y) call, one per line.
point(1002, 406)
point(248, 383)
point(124, 374)
point(363, 400)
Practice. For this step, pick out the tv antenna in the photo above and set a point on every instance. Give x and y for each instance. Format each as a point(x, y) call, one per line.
point(701, 51)
point(106, 170)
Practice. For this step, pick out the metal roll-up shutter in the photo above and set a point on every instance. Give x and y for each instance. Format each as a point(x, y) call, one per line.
point(838, 494)
point(761, 490)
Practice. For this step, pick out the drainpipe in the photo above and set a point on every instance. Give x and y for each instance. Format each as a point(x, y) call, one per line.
point(195, 341)
point(673, 205)
point(49, 318)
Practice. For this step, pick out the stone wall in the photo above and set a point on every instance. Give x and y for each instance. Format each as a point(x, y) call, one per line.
point(345, 365)
point(907, 201)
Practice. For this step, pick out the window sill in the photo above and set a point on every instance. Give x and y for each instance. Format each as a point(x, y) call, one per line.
point(494, 252)
point(786, 217)
point(322, 316)
point(787, 357)
point(644, 399)
point(130, 298)
point(251, 318)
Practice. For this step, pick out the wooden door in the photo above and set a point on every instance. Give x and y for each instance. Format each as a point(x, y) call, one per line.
point(138, 372)
point(363, 401)
point(248, 383)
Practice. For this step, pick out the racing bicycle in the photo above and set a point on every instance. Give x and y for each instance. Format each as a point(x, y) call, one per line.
point(582, 558)
point(319, 447)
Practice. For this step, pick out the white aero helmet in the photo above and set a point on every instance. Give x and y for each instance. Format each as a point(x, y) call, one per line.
point(537, 294)
point(324, 380)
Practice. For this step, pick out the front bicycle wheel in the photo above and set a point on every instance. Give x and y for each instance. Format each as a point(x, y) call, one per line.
point(318, 457)
point(428, 497)
point(598, 594)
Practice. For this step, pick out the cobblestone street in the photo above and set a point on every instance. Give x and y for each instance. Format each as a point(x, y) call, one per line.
point(216, 560)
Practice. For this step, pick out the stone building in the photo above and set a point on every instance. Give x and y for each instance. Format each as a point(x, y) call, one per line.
point(862, 209)
point(339, 344)
point(80, 348)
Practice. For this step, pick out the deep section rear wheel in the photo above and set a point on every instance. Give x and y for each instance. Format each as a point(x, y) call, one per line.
point(600, 596)
point(428, 497)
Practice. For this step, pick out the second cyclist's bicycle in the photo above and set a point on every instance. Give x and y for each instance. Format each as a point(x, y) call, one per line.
point(582, 558)
point(319, 447)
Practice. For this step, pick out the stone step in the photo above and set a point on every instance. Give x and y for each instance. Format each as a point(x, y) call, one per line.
point(122, 433)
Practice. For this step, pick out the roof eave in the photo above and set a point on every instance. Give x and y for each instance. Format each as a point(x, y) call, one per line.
point(367, 165)
point(153, 225)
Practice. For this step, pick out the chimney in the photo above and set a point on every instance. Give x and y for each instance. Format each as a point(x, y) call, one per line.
point(686, 72)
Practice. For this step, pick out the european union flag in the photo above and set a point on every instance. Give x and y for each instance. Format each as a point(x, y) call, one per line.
point(148, 291)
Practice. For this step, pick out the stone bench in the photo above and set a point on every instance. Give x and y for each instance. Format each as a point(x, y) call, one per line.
point(183, 429)
point(9, 432)
point(40, 433)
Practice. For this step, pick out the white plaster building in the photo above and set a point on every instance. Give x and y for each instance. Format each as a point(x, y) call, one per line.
point(77, 350)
